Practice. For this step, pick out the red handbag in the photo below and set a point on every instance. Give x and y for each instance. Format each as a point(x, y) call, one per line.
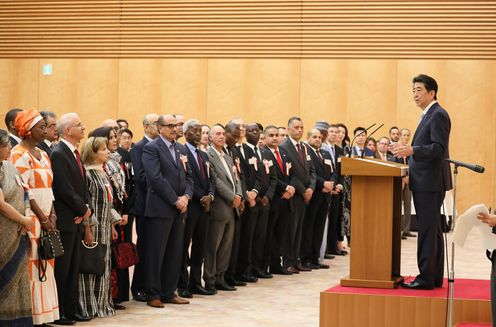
point(125, 253)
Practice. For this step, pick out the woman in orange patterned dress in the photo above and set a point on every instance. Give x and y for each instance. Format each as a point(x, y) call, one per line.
point(35, 169)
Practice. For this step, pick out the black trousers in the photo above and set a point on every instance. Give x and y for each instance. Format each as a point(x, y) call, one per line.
point(163, 255)
point(295, 229)
point(232, 269)
point(313, 228)
point(333, 228)
point(138, 284)
point(277, 233)
point(66, 273)
point(195, 233)
point(253, 233)
point(430, 245)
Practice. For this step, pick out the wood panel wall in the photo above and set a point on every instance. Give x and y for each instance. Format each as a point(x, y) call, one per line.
point(356, 92)
point(248, 29)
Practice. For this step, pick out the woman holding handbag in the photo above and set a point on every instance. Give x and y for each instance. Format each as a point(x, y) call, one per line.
point(115, 172)
point(15, 306)
point(95, 297)
point(35, 169)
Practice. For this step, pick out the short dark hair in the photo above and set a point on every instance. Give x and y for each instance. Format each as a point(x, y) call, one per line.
point(359, 129)
point(260, 126)
point(102, 132)
point(393, 127)
point(121, 120)
point(127, 130)
point(429, 83)
point(11, 116)
point(290, 120)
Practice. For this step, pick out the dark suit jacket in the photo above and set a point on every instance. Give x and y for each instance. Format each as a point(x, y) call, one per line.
point(323, 170)
point(237, 157)
point(203, 185)
point(43, 146)
point(140, 186)
point(258, 178)
point(69, 188)
point(368, 152)
point(303, 176)
point(428, 170)
point(167, 179)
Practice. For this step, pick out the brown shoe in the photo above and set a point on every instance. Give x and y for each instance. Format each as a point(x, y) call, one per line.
point(155, 303)
point(176, 300)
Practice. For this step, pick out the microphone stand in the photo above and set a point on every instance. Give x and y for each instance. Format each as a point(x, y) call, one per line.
point(451, 272)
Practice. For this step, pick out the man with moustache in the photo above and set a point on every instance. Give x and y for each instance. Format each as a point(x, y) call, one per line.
point(429, 179)
point(280, 207)
point(170, 187)
point(138, 209)
point(260, 184)
point(303, 180)
point(227, 202)
point(198, 209)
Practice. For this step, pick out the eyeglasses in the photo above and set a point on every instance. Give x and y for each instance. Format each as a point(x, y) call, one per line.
point(79, 125)
point(171, 126)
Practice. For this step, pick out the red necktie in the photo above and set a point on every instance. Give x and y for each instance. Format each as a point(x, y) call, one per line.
point(78, 160)
point(200, 163)
point(279, 161)
point(300, 153)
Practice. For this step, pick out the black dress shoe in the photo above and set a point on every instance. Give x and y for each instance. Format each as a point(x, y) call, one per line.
point(340, 252)
point(211, 289)
point(185, 293)
point(311, 265)
point(248, 278)
point(225, 287)
point(140, 297)
point(198, 289)
point(263, 274)
point(416, 285)
point(64, 321)
point(299, 267)
point(280, 271)
point(78, 317)
point(409, 234)
point(118, 306)
point(323, 266)
point(329, 256)
point(403, 237)
point(235, 282)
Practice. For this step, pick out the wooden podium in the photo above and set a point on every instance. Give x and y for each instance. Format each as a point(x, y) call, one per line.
point(375, 222)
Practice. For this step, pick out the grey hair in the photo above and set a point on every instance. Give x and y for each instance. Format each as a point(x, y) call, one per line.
point(65, 121)
point(189, 123)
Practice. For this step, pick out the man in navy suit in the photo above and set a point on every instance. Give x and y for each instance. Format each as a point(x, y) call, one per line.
point(198, 213)
point(430, 178)
point(138, 210)
point(359, 148)
point(170, 187)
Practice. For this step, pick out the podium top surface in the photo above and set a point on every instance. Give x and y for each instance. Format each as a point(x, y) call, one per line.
point(372, 167)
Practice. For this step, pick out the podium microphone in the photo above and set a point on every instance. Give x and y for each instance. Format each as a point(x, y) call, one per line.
point(476, 168)
point(353, 141)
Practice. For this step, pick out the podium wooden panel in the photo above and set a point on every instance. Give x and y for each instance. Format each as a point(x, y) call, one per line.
point(375, 222)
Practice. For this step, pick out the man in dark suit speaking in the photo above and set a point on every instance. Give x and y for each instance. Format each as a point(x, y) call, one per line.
point(430, 178)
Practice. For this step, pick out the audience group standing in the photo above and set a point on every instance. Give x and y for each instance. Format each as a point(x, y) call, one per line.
point(241, 201)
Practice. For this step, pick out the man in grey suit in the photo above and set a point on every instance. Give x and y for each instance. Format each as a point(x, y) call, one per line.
point(228, 195)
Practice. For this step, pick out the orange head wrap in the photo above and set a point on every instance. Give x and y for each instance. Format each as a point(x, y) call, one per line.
point(25, 121)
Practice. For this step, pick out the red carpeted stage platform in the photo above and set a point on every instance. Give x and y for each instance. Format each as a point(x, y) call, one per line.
point(352, 306)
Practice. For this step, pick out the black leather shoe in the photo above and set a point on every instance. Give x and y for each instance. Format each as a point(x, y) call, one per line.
point(78, 317)
point(64, 321)
point(185, 293)
point(211, 289)
point(299, 267)
point(403, 237)
point(118, 306)
point(416, 285)
point(409, 234)
point(263, 274)
point(329, 256)
point(225, 287)
point(323, 266)
point(340, 252)
point(248, 278)
point(235, 282)
point(140, 297)
point(198, 289)
point(311, 265)
point(280, 271)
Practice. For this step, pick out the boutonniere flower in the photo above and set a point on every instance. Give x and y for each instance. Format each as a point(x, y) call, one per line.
point(266, 164)
point(184, 160)
point(236, 160)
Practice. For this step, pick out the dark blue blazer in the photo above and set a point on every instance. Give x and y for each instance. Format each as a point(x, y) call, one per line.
point(258, 178)
point(428, 170)
point(166, 178)
point(140, 186)
point(203, 185)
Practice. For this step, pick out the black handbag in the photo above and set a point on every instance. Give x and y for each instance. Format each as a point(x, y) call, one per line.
point(50, 245)
point(92, 258)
